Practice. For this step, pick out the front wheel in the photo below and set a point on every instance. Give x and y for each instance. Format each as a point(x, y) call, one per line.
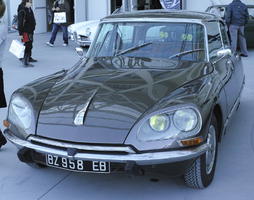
point(201, 172)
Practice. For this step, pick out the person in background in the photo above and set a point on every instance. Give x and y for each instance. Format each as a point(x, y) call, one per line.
point(3, 35)
point(26, 27)
point(60, 6)
point(237, 17)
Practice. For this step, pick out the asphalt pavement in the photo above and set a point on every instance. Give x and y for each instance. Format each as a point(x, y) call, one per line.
point(234, 174)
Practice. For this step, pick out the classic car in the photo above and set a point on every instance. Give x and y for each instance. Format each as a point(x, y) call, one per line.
point(156, 90)
point(219, 10)
point(83, 33)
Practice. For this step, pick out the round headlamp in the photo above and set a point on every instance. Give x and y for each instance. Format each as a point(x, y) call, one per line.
point(159, 123)
point(88, 32)
point(20, 113)
point(185, 119)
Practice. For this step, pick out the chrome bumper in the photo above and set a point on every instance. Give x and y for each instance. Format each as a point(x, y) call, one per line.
point(83, 43)
point(140, 159)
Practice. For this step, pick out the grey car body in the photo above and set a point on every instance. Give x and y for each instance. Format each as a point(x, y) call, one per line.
point(164, 102)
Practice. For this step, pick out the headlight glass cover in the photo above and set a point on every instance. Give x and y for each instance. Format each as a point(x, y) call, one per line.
point(159, 123)
point(173, 123)
point(21, 113)
point(185, 119)
point(88, 32)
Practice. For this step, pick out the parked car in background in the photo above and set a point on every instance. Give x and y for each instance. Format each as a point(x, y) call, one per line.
point(219, 10)
point(83, 33)
point(156, 90)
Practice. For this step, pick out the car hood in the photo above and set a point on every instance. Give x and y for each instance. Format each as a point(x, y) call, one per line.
point(111, 97)
point(82, 25)
point(83, 30)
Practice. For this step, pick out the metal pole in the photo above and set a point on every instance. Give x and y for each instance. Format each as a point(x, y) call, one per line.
point(127, 5)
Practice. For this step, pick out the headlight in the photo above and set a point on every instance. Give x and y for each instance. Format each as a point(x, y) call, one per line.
point(20, 113)
point(159, 122)
point(185, 119)
point(175, 123)
point(70, 29)
point(88, 32)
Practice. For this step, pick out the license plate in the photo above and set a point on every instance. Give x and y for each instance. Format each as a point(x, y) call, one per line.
point(77, 165)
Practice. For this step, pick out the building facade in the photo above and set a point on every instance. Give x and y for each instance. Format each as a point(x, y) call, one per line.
point(83, 10)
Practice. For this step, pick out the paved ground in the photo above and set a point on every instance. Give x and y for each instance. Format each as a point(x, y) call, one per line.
point(233, 180)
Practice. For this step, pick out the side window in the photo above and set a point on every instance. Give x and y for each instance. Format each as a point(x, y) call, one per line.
point(214, 38)
point(224, 35)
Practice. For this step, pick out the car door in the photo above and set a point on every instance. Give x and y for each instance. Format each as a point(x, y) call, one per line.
point(236, 82)
point(224, 64)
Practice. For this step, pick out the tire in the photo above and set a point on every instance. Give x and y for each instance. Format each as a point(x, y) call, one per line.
point(200, 174)
point(3, 140)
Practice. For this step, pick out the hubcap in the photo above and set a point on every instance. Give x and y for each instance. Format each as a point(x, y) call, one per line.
point(210, 154)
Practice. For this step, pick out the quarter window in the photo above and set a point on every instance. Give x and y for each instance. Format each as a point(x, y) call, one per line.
point(224, 35)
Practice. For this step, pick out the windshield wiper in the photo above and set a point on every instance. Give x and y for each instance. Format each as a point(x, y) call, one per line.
point(133, 48)
point(185, 52)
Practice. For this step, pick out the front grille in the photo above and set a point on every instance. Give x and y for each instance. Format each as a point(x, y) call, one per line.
point(82, 148)
point(84, 38)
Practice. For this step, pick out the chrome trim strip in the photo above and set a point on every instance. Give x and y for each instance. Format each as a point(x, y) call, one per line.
point(80, 146)
point(232, 111)
point(140, 159)
point(150, 19)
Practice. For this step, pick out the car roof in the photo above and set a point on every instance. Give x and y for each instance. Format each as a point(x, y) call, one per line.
point(163, 13)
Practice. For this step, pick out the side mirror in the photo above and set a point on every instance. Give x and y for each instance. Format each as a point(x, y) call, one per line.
point(224, 52)
point(80, 51)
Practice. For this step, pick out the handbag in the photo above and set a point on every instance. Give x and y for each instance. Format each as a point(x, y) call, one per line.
point(25, 37)
point(60, 17)
point(17, 49)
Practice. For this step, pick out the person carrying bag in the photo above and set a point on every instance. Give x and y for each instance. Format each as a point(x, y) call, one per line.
point(26, 27)
point(61, 19)
point(3, 35)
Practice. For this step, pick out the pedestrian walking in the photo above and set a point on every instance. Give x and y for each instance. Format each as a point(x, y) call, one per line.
point(237, 17)
point(3, 35)
point(61, 20)
point(26, 27)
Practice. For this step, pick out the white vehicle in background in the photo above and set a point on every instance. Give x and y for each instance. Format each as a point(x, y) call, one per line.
point(83, 33)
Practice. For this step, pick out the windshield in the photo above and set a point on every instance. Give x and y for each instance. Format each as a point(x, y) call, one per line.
point(161, 40)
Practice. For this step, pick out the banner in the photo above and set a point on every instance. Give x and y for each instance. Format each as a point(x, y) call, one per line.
point(171, 4)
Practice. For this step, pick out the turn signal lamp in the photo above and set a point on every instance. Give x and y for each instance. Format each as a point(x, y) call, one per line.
point(192, 142)
point(6, 123)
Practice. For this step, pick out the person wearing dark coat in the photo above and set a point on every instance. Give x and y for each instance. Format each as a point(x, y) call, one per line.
point(26, 27)
point(3, 35)
point(237, 17)
point(60, 6)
